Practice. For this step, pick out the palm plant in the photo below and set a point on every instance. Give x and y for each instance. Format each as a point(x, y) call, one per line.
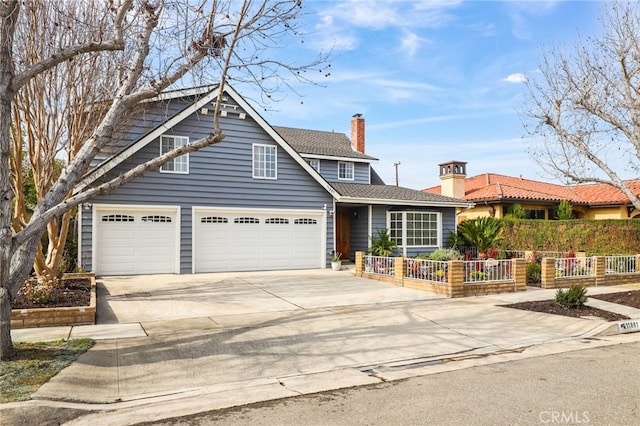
point(382, 244)
point(482, 232)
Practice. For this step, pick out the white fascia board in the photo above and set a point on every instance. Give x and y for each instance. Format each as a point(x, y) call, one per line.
point(332, 157)
point(355, 200)
point(181, 93)
point(280, 141)
point(104, 168)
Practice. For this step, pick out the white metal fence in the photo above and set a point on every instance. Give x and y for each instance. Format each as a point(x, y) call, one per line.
point(428, 270)
point(621, 264)
point(476, 271)
point(379, 265)
point(572, 267)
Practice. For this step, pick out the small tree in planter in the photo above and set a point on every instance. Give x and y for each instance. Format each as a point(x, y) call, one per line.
point(483, 232)
point(336, 262)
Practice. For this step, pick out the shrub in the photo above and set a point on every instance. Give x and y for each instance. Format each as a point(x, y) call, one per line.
point(479, 276)
point(36, 291)
point(515, 211)
point(564, 211)
point(444, 255)
point(534, 273)
point(574, 297)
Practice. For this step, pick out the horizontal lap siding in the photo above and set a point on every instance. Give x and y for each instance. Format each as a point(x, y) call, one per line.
point(329, 171)
point(219, 175)
point(448, 223)
point(139, 124)
point(359, 231)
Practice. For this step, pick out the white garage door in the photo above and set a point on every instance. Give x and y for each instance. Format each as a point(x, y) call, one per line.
point(250, 240)
point(136, 241)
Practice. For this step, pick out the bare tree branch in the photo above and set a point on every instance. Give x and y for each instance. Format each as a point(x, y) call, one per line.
point(584, 105)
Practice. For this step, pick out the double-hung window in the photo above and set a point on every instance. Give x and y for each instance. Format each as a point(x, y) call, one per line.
point(345, 170)
point(179, 164)
point(315, 163)
point(265, 164)
point(415, 228)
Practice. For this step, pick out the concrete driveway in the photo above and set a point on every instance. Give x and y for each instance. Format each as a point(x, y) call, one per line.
point(150, 298)
point(173, 345)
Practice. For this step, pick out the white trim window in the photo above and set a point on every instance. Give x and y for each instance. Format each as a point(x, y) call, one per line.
point(415, 228)
point(179, 164)
point(345, 170)
point(265, 161)
point(315, 163)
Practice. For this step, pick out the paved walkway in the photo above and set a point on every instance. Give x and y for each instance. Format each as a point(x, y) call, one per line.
point(173, 345)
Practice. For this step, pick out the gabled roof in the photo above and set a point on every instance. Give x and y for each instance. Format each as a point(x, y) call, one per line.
point(496, 187)
point(108, 165)
point(296, 142)
point(388, 194)
point(322, 143)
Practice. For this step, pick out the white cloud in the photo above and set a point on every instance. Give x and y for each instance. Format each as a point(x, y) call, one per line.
point(384, 14)
point(516, 78)
point(335, 43)
point(411, 42)
point(402, 84)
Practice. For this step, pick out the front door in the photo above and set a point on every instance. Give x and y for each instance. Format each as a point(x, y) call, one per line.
point(343, 234)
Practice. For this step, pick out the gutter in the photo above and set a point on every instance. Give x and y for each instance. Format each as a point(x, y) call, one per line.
point(343, 199)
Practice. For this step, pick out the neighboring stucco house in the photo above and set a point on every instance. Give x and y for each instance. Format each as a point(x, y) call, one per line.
point(493, 194)
point(266, 198)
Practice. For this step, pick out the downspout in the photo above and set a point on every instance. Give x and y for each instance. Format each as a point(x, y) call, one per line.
point(334, 213)
point(79, 265)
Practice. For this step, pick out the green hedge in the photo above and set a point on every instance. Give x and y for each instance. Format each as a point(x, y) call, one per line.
point(598, 237)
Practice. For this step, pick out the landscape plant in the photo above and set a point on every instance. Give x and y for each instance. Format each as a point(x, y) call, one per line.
point(534, 273)
point(515, 211)
point(483, 233)
point(444, 255)
point(382, 244)
point(596, 237)
point(573, 297)
point(478, 276)
point(564, 211)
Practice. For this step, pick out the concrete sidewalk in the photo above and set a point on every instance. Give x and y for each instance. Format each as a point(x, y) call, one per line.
point(175, 345)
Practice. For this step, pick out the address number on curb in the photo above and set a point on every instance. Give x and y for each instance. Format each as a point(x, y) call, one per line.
point(628, 326)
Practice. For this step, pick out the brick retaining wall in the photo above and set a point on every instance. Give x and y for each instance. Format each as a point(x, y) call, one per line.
point(51, 317)
point(455, 286)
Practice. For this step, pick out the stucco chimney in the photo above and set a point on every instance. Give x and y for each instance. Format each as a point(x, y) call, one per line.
point(357, 133)
point(452, 176)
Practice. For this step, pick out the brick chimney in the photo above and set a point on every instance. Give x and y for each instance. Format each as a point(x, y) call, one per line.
point(452, 177)
point(357, 133)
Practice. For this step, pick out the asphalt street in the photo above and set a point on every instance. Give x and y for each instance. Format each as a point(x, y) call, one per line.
point(599, 386)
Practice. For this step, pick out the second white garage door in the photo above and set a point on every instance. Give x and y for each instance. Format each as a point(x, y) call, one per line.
point(256, 240)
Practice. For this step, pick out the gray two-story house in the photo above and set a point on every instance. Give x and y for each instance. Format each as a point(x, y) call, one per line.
point(266, 198)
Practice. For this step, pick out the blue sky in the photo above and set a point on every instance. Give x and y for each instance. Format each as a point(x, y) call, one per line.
point(435, 80)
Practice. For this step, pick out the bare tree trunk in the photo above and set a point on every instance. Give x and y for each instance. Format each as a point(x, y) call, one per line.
point(8, 18)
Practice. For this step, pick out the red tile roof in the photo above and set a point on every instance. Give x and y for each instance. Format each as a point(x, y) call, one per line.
point(606, 194)
point(495, 187)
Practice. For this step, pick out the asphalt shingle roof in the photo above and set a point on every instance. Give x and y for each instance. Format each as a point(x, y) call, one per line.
point(389, 192)
point(318, 142)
